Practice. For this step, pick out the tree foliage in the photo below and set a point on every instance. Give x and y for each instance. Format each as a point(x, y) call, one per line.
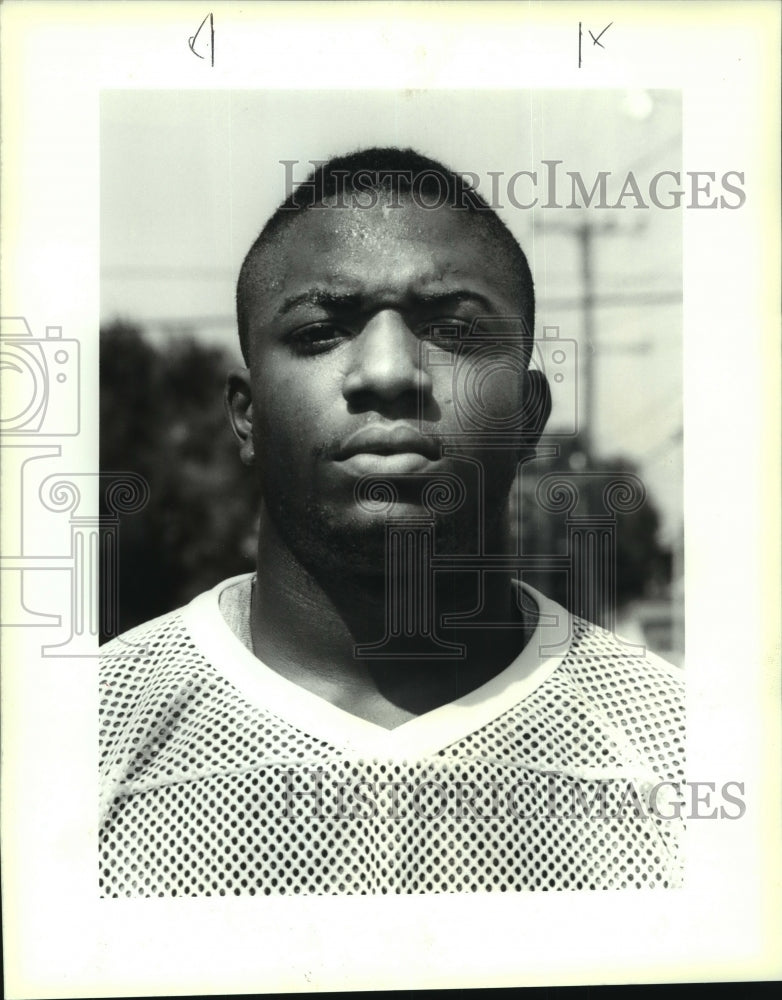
point(642, 564)
point(162, 416)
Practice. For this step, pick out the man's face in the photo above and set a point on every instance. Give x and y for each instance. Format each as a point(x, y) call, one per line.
point(360, 366)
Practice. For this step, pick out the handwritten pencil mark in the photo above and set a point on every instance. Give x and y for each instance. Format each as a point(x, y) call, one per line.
point(596, 41)
point(191, 42)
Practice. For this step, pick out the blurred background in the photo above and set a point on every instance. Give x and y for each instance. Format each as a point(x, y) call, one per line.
point(188, 178)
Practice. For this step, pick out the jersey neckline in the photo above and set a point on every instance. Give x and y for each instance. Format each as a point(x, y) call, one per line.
point(420, 736)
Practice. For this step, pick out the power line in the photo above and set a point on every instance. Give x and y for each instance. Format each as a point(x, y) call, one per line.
point(615, 299)
point(585, 233)
point(659, 405)
point(653, 453)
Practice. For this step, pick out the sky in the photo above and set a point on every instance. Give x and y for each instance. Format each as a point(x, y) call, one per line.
point(188, 179)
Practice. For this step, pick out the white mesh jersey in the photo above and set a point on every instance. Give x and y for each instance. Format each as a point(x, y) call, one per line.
point(220, 777)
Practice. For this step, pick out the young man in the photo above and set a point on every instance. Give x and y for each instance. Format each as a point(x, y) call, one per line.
point(383, 707)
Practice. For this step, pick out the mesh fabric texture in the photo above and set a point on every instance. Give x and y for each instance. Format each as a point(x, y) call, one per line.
point(207, 792)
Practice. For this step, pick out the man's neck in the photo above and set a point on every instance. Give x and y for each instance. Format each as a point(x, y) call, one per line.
point(310, 628)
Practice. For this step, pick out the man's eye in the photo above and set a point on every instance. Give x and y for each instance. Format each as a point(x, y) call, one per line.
point(316, 338)
point(448, 333)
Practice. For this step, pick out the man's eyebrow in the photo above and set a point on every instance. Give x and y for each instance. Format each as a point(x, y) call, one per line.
point(347, 300)
point(320, 297)
point(456, 297)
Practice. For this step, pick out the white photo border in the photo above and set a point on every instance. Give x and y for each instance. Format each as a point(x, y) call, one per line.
point(60, 939)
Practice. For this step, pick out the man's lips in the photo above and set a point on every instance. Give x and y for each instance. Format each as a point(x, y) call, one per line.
point(387, 449)
point(388, 439)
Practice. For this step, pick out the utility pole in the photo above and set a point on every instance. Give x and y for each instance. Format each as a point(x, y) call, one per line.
point(585, 233)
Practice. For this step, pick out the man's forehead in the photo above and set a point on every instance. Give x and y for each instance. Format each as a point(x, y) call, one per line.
point(352, 248)
point(352, 228)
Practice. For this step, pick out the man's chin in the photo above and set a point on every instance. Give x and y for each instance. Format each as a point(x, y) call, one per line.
point(337, 548)
point(357, 542)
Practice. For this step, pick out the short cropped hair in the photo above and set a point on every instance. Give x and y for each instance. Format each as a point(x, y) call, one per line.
point(366, 174)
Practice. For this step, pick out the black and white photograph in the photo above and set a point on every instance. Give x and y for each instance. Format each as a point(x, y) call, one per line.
point(408, 572)
point(389, 492)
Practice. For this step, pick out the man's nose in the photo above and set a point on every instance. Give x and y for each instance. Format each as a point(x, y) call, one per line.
point(386, 361)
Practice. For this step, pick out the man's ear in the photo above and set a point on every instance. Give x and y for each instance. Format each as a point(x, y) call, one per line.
point(239, 406)
point(536, 408)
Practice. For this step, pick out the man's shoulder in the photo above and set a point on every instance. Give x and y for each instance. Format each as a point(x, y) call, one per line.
point(156, 657)
point(146, 646)
point(140, 666)
point(158, 673)
point(172, 630)
point(627, 687)
point(596, 650)
point(141, 637)
point(597, 658)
